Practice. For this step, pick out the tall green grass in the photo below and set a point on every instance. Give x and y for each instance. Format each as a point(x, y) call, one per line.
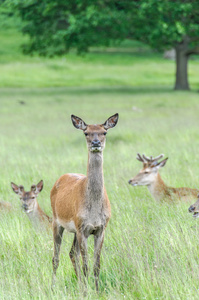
point(151, 249)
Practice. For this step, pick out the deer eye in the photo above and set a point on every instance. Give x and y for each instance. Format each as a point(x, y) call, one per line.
point(104, 133)
point(32, 197)
point(85, 133)
point(146, 172)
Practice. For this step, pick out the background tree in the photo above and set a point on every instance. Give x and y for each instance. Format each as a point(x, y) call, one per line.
point(56, 26)
point(168, 24)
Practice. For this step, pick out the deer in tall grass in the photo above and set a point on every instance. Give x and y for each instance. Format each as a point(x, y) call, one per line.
point(29, 202)
point(80, 203)
point(150, 177)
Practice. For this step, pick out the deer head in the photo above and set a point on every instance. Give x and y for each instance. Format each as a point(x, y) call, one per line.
point(28, 199)
point(95, 134)
point(148, 173)
point(195, 208)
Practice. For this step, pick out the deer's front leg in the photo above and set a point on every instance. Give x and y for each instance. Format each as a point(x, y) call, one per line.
point(74, 256)
point(82, 240)
point(98, 242)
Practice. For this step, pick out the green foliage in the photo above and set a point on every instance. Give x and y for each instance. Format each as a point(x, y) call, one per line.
point(9, 18)
point(165, 23)
point(55, 27)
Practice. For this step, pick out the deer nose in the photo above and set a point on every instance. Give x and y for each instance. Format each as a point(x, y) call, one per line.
point(25, 206)
point(96, 143)
point(130, 181)
point(191, 208)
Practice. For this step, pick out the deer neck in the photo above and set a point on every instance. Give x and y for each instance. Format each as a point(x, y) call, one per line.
point(33, 211)
point(158, 188)
point(95, 179)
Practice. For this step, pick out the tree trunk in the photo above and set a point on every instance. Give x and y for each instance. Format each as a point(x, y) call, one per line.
point(181, 66)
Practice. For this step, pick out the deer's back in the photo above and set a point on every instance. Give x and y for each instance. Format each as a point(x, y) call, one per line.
point(184, 193)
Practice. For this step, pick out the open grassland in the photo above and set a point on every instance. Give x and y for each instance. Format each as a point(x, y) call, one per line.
point(151, 249)
point(132, 65)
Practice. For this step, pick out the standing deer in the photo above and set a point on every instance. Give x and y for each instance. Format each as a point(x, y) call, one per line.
point(195, 208)
point(150, 177)
point(80, 203)
point(29, 202)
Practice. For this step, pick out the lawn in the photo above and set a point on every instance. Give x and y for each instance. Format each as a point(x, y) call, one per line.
point(151, 249)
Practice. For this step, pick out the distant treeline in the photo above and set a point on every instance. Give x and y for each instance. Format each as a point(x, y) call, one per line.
point(54, 27)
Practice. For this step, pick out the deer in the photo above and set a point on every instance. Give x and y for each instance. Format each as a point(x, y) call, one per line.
point(80, 204)
point(195, 208)
point(150, 177)
point(29, 202)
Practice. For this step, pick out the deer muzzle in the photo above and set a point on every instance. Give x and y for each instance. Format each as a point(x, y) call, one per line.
point(133, 183)
point(96, 146)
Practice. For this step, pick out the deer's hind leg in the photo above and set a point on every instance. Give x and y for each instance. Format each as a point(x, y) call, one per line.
point(57, 236)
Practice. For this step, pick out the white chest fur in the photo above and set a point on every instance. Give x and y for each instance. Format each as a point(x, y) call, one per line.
point(69, 226)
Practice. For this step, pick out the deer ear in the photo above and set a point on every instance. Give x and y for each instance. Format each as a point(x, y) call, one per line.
point(40, 186)
point(36, 189)
point(111, 122)
point(33, 188)
point(17, 189)
point(78, 123)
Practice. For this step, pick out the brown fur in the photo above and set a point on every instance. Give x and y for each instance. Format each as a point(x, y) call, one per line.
point(80, 203)
point(164, 192)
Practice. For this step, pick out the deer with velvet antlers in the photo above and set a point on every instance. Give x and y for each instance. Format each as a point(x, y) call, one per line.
point(80, 203)
point(29, 202)
point(150, 177)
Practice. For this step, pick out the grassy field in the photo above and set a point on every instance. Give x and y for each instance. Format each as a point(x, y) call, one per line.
point(151, 249)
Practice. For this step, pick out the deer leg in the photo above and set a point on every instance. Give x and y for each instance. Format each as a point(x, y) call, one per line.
point(84, 254)
point(98, 242)
point(74, 255)
point(57, 236)
point(82, 240)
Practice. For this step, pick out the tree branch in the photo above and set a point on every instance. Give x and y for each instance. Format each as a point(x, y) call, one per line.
point(193, 51)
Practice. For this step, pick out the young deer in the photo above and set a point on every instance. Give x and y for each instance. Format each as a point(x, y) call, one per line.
point(195, 208)
point(80, 203)
point(29, 202)
point(150, 177)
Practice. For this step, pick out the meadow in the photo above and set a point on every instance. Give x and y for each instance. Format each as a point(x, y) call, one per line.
point(151, 249)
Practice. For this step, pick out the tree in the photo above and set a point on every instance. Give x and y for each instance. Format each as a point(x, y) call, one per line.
point(56, 26)
point(169, 24)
